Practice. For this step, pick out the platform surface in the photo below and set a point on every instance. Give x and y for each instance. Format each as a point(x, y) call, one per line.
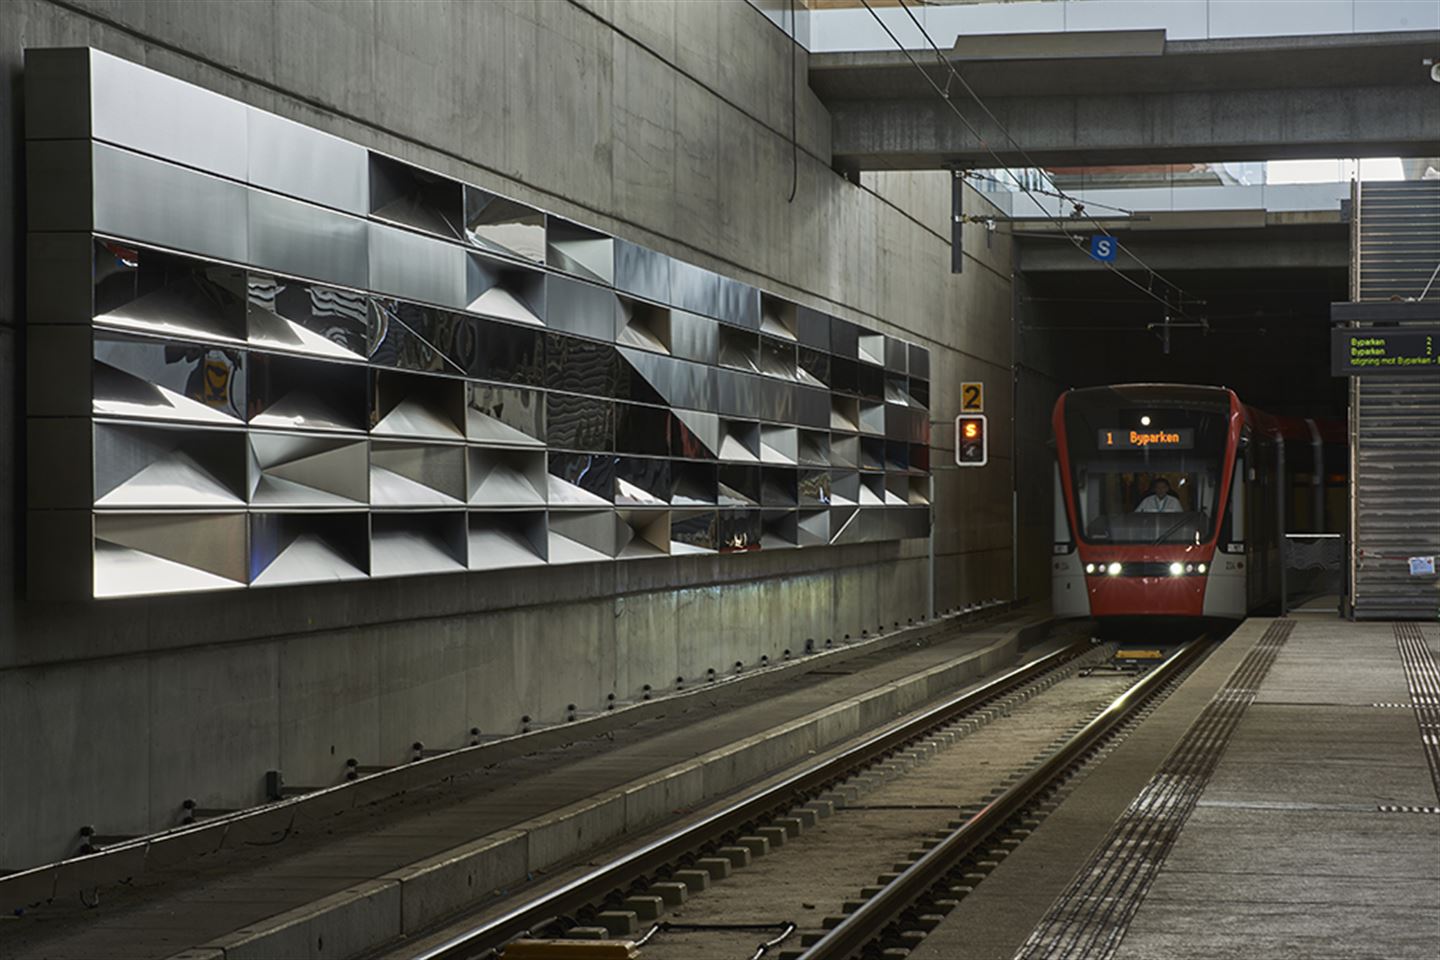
point(1315, 835)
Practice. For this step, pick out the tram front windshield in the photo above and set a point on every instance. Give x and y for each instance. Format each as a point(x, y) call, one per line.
point(1120, 449)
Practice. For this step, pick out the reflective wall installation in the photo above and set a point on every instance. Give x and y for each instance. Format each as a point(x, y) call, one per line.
point(262, 355)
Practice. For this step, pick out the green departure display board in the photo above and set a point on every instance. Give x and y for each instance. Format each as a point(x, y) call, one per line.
point(1356, 351)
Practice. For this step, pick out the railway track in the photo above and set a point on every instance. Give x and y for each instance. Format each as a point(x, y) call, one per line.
point(908, 896)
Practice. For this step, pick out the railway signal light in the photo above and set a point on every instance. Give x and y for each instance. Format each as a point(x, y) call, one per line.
point(972, 445)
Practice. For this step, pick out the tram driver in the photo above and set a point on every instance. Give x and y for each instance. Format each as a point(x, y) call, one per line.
point(1160, 500)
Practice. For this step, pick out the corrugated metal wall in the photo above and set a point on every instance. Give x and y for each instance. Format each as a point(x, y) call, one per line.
point(1395, 420)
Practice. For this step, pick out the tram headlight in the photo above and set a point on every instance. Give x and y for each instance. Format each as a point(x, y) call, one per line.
point(1089, 568)
point(1201, 568)
point(1176, 569)
point(1189, 568)
point(1114, 569)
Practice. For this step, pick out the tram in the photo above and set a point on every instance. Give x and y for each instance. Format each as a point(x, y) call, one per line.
point(1168, 503)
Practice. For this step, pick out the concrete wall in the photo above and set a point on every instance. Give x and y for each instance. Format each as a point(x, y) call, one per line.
point(666, 123)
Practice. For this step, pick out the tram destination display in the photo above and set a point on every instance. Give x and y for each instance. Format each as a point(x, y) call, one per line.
point(1356, 351)
point(1142, 438)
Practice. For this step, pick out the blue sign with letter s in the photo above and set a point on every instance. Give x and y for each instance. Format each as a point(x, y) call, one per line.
point(1104, 248)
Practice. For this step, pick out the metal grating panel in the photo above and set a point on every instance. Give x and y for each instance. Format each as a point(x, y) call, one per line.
point(1396, 419)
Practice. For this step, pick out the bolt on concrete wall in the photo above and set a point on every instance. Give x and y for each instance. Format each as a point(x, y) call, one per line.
point(665, 123)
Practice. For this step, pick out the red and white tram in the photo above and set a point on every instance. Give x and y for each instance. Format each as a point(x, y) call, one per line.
point(1125, 545)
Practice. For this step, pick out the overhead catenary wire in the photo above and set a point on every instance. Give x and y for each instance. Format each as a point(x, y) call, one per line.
point(943, 93)
point(1078, 205)
point(1057, 194)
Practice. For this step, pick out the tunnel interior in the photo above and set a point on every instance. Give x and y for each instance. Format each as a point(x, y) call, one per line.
point(1262, 331)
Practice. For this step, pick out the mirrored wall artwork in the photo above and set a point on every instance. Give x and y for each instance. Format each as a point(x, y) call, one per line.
point(380, 370)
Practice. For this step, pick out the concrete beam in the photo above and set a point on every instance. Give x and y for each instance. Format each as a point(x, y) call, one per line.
point(1141, 128)
point(1265, 98)
point(1266, 249)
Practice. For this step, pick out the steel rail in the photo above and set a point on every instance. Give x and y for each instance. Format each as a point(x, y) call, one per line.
point(866, 924)
point(780, 797)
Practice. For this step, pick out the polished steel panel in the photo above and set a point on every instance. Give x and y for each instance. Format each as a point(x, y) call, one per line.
point(290, 548)
point(163, 467)
point(307, 164)
point(642, 272)
point(299, 238)
point(405, 474)
point(309, 318)
point(509, 416)
point(872, 348)
point(844, 338)
point(504, 477)
point(738, 303)
point(692, 385)
point(579, 251)
point(504, 290)
point(919, 362)
point(416, 267)
point(639, 323)
point(695, 434)
point(153, 113)
point(417, 198)
point(148, 554)
point(694, 531)
point(151, 201)
point(507, 538)
point(896, 355)
point(167, 380)
point(408, 544)
point(166, 294)
point(666, 385)
point(694, 289)
point(302, 393)
point(812, 407)
point(581, 479)
point(307, 471)
point(693, 337)
point(812, 328)
point(504, 226)
point(580, 308)
point(692, 482)
point(581, 536)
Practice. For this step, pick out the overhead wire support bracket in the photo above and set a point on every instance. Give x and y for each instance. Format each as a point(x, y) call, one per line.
point(1078, 206)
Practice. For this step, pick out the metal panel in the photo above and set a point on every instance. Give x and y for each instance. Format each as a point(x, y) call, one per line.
point(303, 162)
point(1395, 419)
point(694, 288)
point(738, 303)
point(57, 93)
point(59, 185)
point(580, 308)
point(160, 115)
point(694, 337)
point(200, 199)
point(919, 362)
point(308, 241)
point(143, 199)
point(416, 267)
point(642, 272)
